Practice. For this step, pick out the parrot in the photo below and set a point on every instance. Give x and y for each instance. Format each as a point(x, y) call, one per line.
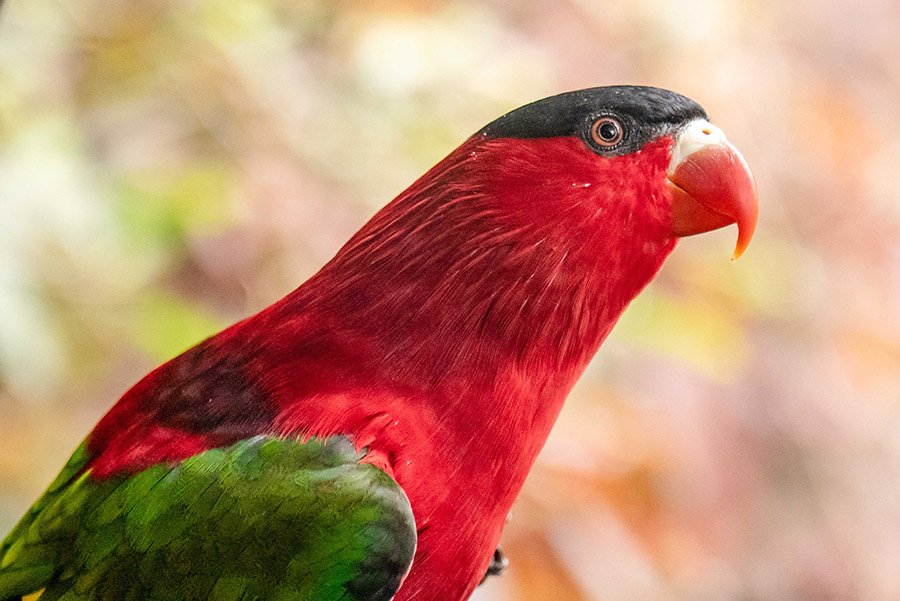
point(364, 438)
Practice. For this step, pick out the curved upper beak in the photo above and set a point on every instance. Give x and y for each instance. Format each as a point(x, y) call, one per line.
point(711, 185)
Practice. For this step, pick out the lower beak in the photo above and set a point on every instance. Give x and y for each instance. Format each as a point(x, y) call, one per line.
point(711, 185)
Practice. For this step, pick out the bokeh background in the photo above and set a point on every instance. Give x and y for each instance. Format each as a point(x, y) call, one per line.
point(170, 166)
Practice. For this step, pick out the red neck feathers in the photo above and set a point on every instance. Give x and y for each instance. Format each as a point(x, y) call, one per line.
point(500, 271)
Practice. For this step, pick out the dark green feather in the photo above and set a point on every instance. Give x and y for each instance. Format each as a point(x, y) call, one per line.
point(266, 518)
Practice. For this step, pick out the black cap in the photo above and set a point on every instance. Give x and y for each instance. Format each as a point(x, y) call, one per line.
point(645, 112)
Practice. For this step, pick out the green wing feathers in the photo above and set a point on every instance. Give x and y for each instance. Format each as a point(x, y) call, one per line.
point(266, 518)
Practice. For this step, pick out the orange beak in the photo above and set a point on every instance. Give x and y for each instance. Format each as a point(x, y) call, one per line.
point(711, 185)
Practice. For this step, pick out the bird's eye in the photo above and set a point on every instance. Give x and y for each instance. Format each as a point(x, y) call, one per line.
point(607, 132)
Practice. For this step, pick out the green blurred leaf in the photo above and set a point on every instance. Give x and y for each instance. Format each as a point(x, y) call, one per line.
point(165, 325)
point(165, 209)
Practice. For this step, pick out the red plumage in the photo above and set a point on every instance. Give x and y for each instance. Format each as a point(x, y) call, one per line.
point(444, 337)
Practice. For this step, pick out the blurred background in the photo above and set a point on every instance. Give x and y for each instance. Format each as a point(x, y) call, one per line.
point(168, 167)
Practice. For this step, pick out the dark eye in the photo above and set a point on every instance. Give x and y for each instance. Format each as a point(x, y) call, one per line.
point(607, 132)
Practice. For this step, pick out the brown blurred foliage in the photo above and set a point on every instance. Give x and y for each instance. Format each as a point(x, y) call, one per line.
point(167, 167)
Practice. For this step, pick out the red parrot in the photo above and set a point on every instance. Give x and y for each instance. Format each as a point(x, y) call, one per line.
point(365, 437)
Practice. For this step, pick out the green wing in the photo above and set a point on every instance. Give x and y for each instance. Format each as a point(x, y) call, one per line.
point(266, 518)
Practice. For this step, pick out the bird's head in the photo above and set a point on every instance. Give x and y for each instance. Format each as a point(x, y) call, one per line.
point(623, 157)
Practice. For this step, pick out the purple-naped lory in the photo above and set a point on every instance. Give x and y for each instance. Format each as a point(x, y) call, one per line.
point(363, 438)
